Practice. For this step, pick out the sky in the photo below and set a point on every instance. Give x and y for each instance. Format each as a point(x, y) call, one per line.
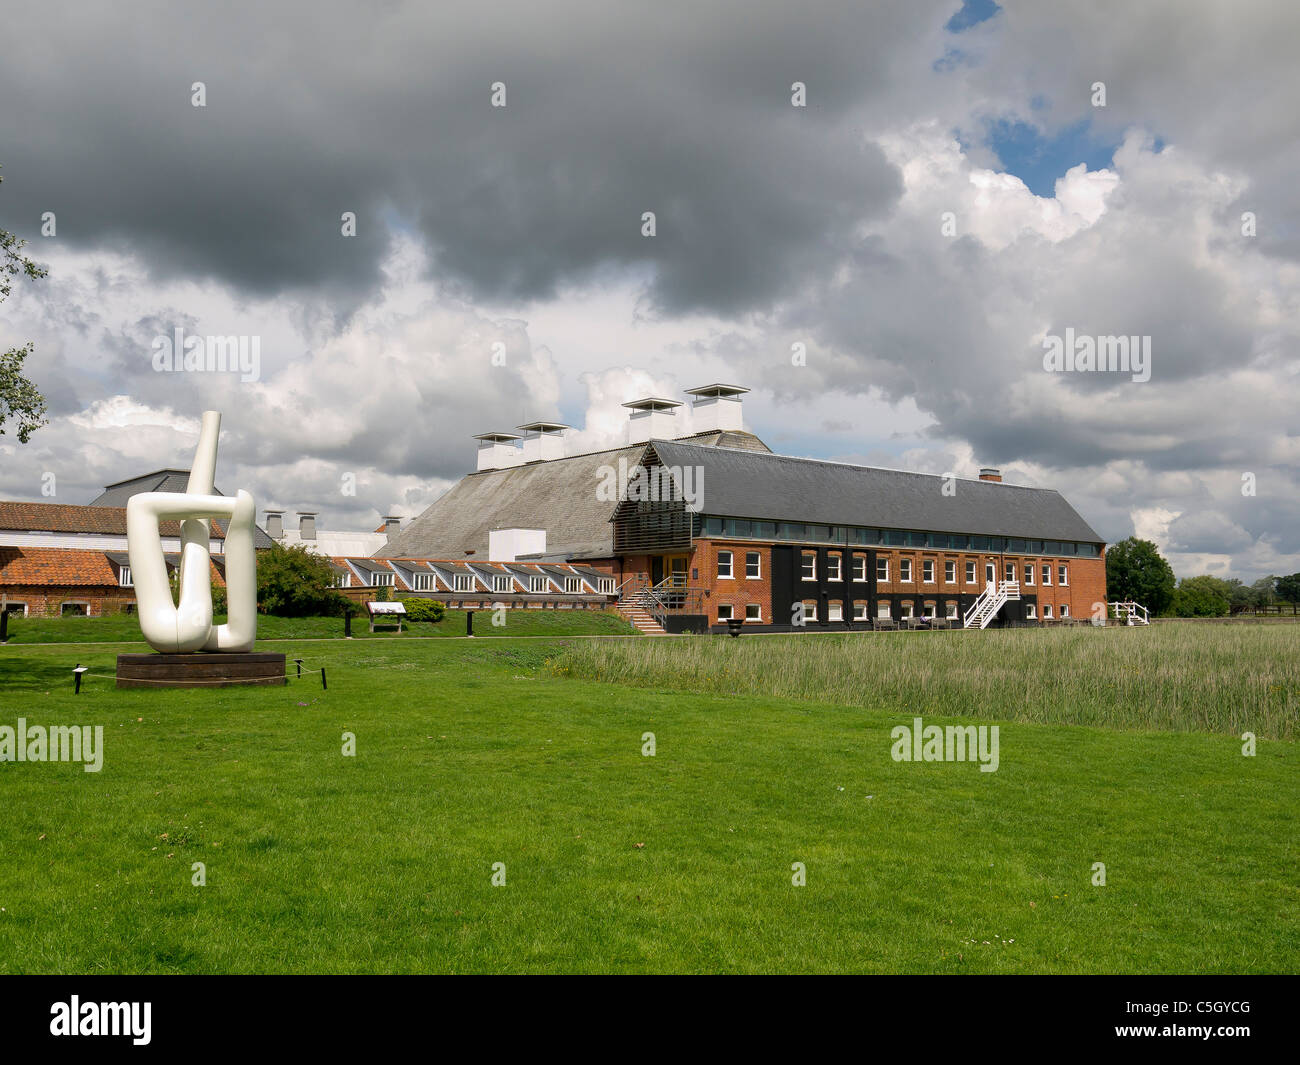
point(884, 266)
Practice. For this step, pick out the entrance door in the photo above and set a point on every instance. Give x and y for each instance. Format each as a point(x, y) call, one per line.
point(678, 574)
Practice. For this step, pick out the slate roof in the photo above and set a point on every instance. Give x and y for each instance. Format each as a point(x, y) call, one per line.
point(558, 495)
point(749, 484)
point(116, 495)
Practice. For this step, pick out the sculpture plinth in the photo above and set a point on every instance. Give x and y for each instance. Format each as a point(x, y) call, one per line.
point(213, 670)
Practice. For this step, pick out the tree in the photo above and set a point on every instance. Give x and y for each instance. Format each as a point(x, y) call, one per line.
point(294, 583)
point(1288, 590)
point(19, 398)
point(1135, 570)
point(1201, 597)
point(1265, 591)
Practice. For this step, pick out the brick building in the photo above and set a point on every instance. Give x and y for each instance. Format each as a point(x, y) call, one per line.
point(700, 529)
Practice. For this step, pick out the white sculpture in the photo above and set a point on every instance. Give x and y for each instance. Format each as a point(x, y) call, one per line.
point(187, 625)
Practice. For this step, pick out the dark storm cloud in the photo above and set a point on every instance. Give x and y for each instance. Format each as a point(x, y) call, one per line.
point(316, 109)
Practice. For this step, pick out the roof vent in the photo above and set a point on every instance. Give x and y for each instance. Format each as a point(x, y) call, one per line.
point(497, 451)
point(307, 524)
point(543, 441)
point(392, 523)
point(990, 473)
point(275, 524)
point(716, 408)
point(651, 418)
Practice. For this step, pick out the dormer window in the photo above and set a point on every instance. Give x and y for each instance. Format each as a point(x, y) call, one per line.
point(537, 585)
point(463, 582)
point(502, 584)
point(124, 577)
point(381, 580)
point(423, 582)
point(573, 585)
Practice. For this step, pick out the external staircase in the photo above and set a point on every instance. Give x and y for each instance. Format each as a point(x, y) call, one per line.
point(990, 601)
point(638, 606)
point(1130, 613)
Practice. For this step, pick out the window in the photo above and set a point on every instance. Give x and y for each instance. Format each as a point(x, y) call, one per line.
point(950, 572)
point(859, 567)
point(859, 611)
point(381, 580)
point(753, 612)
point(124, 577)
point(573, 585)
point(1047, 581)
point(606, 585)
point(882, 569)
point(343, 580)
point(810, 565)
point(907, 610)
point(1065, 610)
point(929, 611)
point(423, 582)
point(810, 611)
point(1047, 610)
point(463, 582)
point(836, 611)
point(73, 610)
point(1062, 576)
point(724, 611)
point(753, 565)
point(905, 570)
point(970, 572)
point(1029, 574)
point(1030, 612)
point(952, 611)
point(927, 571)
point(537, 585)
point(16, 608)
point(724, 565)
point(990, 572)
point(882, 608)
point(502, 583)
point(833, 563)
point(1009, 571)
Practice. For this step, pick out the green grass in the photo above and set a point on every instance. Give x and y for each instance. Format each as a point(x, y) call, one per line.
point(1169, 677)
point(474, 753)
point(123, 628)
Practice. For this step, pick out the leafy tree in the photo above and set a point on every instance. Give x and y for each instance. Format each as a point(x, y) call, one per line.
point(1265, 591)
point(1136, 570)
point(1201, 597)
point(419, 609)
point(294, 583)
point(19, 398)
point(1288, 590)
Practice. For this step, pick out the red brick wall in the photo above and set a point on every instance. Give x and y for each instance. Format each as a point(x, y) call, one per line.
point(44, 600)
point(740, 590)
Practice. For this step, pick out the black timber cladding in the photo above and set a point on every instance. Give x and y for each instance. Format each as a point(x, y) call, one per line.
point(756, 485)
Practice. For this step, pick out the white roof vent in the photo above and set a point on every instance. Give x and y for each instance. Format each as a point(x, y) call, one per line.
point(716, 408)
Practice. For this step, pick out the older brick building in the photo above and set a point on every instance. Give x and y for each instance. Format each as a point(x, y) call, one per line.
point(701, 529)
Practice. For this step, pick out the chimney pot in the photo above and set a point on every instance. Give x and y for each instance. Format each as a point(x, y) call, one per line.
point(307, 524)
point(651, 418)
point(990, 473)
point(391, 524)
point(716, 408)
point(275, 524)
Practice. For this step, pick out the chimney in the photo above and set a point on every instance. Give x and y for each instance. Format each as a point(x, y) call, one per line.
point(391, 524)
point(990, 473)
point(543, 441)
point(651, 418)
point(275, 524)
point(716, 408)
point(307, 524)
point(497, 451)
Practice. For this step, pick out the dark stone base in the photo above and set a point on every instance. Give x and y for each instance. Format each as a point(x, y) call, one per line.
point(200, 670)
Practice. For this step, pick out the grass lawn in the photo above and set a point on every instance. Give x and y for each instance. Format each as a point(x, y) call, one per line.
point(469, 754)
point(124, 628)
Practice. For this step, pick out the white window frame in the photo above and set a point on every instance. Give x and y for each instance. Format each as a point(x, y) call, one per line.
point(124, 577)
point(536, 579)
point(757, 609)
point(572, 585)
point(1029, 575)
point(1047, 577)
point(859, 569)
point(83, 603)
point(904, 571)
point(990, 571)
point(1009, 571)
point(860, 608)
point(380, 579)
point(950, 610)
point(970, 571)
point(882, 564)
point(810, 610)
point(1031, 612)
point(462, 582)
point(726, 565)
point(909, 610)
point(757, 556)
point(1063, 576)
point(808, 573)
point(949, 571)
point(606, 585)
point(834, 566)
point(1047, 610)
point(725, 612)
point(834, 610)
point(1065, 610)
point(927, 566)
point(502, 583)
point(13, 604)
point(882, 609)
